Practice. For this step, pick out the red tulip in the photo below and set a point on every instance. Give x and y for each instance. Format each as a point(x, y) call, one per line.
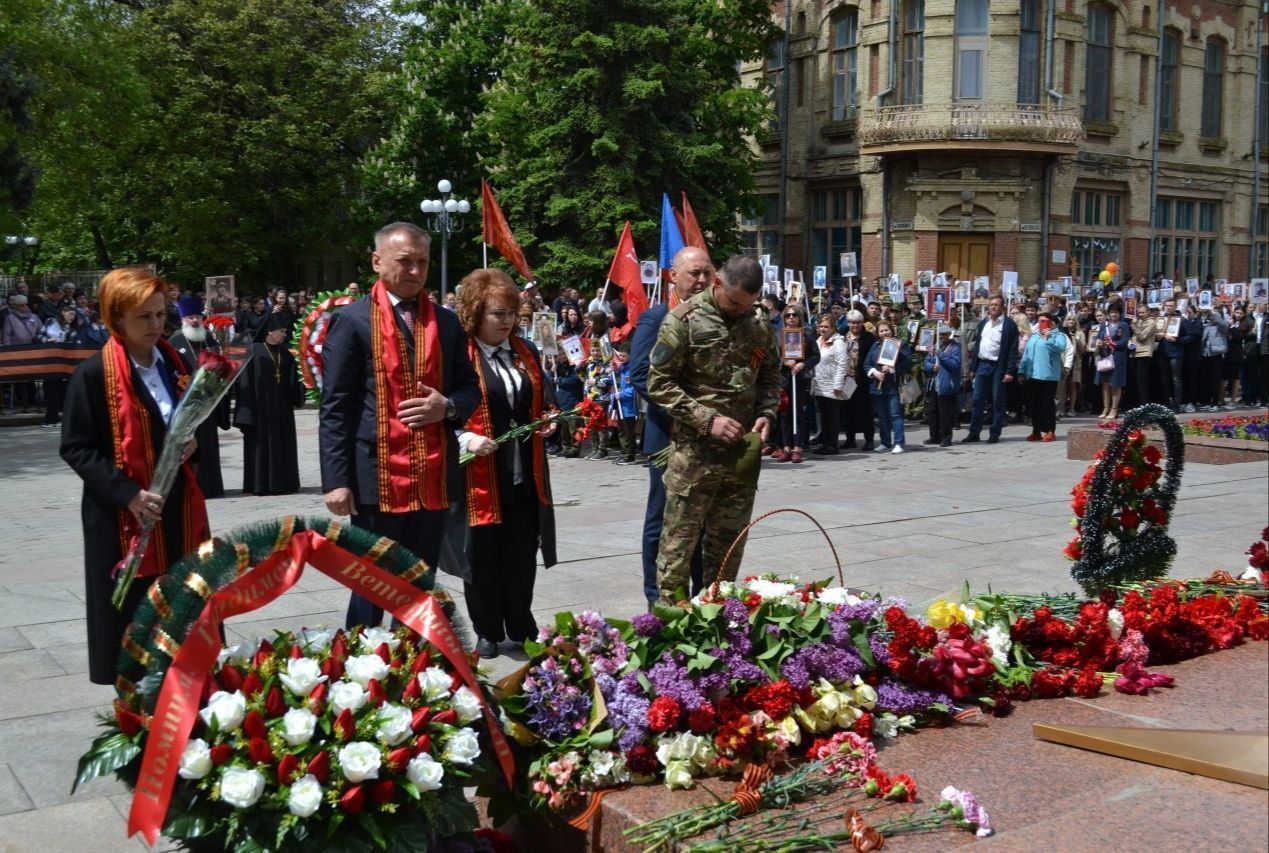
point(422, 662)
point(345, 727)
point(448, 717)
point(252, 685)
point(423, 744)
point(220, 753)
point(377, 694)
point(418, 721)
point(274, 704)
point(339, 646)
point(353, 800)
point(129, 722)
point(230, 679)
point(317, 699)
point(259, 750)
point(333, 668)
point(384, 653)
point(296, 653)
point(263, 654)
point(288, 769)
point(381, 792)
point(319, 766)
point(253, 725)
point(398, 758)
point(412, 691)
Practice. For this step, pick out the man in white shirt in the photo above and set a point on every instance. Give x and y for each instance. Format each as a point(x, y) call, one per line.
point(993, 364)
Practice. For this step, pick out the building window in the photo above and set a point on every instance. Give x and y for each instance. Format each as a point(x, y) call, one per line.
point(913, 50)
point(1097, 65)
point(835, 228)
point(1170, 80)
point(1260, 248)
point(971, 49)
point(1185, 238)
point(1095, 207)
point(761, 234)
point(845, 65)
point(1213, 87)
point(1264, 97)
point(776, 66)
point(1029, 52)
point(1090, 254)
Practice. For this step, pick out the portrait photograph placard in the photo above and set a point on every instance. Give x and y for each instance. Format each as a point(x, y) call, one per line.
point(963, 294)
point(1130, 308)
point(1205, 300)
point(1174, 327)
point(1191, 286)
point(895, 288)
point(1154, 298)
point(792, 344)
point(938, 303)
point(544, 332)
point(925, 339)
point(648, 272)
point(218, 294)
point(848, 261)
point(889, 353)
point(819, 276)
point(771, 274)
point(940, 279)
point(982, 287)
point(1258, 292)
point(572, 349)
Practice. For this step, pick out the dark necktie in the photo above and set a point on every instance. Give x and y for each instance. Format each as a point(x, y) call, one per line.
point(408, 313)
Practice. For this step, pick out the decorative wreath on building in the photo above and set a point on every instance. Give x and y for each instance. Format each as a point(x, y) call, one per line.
point(310, 335)
point(1124, 503)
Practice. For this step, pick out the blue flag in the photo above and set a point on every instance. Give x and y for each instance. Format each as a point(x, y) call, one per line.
point(671, 236)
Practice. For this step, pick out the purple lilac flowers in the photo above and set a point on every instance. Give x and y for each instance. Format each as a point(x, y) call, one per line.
point(900, 699)
point(557, 708)
point(821, 660)
point(647, 625)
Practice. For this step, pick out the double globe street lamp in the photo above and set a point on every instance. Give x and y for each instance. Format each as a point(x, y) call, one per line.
point(22, 242)
point(445, 216)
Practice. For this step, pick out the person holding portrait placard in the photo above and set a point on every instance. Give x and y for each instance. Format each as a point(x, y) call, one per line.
point(888, 360)
point(943, 385)
point(1111, 351)
point(799, 356)
point(828, 384)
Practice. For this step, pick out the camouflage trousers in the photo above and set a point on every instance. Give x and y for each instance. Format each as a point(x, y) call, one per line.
point(706, 502)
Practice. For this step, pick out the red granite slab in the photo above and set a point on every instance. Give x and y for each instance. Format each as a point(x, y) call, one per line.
point(1084, 442)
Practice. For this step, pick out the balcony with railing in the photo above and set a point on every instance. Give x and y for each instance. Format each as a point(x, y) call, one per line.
point(929, 127)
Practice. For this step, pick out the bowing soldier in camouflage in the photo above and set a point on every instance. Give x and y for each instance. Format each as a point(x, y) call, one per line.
point(715, 368)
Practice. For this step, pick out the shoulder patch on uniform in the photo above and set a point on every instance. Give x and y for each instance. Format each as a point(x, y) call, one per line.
point(684, 308)
point(661, 353)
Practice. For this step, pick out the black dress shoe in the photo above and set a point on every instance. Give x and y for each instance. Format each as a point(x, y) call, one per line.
point(849, 445)
point(993, 439)
point(947, 442)
point(931, 441)
point(486, 648)
point(969, 439)
point(868, 445)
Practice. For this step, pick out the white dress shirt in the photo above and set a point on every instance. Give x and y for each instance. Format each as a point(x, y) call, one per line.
point(989, 342)
point(152, 378)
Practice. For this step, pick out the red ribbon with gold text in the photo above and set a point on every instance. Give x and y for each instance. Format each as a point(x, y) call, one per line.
point(177, 708)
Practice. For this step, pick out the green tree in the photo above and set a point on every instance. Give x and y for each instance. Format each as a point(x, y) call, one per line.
point(605, 104)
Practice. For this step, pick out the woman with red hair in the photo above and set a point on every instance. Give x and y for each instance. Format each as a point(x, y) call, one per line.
point(117, 409)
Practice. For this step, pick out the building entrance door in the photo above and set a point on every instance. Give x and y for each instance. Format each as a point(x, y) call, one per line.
point(963, 256)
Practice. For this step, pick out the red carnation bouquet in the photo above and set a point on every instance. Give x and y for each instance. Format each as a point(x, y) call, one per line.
point(1133, 494)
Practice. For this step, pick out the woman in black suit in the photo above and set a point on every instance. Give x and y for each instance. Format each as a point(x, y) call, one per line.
point(118, 406)
point(509, 510)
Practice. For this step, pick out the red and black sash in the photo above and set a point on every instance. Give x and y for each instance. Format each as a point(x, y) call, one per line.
point(411, 461)
point(135, 455)
point(483, 502)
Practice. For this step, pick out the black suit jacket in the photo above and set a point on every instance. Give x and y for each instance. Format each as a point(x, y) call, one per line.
point(1008, 347)
point(348, 429)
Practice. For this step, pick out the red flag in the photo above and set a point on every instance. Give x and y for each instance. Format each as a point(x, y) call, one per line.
point(497, 232)
point(624, 273)
point(691, 229)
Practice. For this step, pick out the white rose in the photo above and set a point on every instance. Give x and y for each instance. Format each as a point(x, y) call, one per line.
point(347, 694)
point(239, 653)
point(770, 589)
point(466, 705)
point(298, 725)
point(301, 676)
point(425, 771)
point(305, 797)
point(373, 638)
point(678, 774)
point(1000, 643)
point(228, 709)
point(363, 668)
point(462, 747)
point(1115, 618)
point(195, 760)
point(601, 762)
point(394, 724)
point(316, 639)
point(835, 596)
point(241, 787)
point(360, 761)
point(434, 682)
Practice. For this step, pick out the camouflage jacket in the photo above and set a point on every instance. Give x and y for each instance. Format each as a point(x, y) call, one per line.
point(704, 364)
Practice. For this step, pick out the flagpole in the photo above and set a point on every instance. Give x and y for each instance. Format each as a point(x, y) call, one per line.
point(484, 254)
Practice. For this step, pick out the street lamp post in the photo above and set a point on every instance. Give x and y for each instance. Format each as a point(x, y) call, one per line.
point(445, 215)
point(22, 242)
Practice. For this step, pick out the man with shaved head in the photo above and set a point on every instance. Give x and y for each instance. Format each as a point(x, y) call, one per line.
point(691, 273)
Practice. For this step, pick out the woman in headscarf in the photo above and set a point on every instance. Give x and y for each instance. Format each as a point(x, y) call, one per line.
point(269, 392)
point(117, 410)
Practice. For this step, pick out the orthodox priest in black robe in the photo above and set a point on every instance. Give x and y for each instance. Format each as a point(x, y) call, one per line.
point(190, 343)
point(269, 391)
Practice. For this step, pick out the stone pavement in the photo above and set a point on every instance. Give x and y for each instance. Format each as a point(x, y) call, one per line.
point(917, 525)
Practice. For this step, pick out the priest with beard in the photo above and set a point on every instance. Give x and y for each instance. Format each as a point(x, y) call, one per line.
point(269, 392)
point(190, 342)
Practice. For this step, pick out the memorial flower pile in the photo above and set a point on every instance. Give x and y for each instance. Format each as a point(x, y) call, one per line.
point(1132, 503)
point(369, 734)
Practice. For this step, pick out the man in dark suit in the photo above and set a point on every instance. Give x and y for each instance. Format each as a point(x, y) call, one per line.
point(691, 273)
point(993, 365)
point(396, 350)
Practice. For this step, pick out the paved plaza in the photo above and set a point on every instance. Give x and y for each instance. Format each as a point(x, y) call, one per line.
point(917, 525)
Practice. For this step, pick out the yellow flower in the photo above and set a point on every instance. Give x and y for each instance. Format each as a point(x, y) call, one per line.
point(943, 613)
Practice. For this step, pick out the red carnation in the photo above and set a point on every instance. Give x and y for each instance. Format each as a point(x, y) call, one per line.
point(288, 769)
point(1088, 684)
point(702, 720)
point(381, 792)
point(863, 726)
point(259, 750)
point(1152, 455)
point(1001, 704)
point(319, 766)
point(903, 789)
point(253, 724)
point(353, 800)
point(642, 760)
point(775, 700)
point(663, 713)
point(1074, 549)
point(1129, 518)
point(129, 721)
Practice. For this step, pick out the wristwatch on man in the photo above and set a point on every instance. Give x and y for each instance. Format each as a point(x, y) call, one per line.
point(451, 411)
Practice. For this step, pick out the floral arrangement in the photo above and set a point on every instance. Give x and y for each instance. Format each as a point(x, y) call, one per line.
point(1127, 496)
point(367, 734)
point(310, 335)
point(1258, 559)
point(211, 382)
point(222, 328)
point(591, 413)
point(1254, 428)
point(770, 670)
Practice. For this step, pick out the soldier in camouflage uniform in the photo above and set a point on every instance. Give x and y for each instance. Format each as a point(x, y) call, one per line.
point(715, 369)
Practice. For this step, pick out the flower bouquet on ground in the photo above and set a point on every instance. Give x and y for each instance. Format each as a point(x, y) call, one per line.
point(323, 740)
point(592, 414)
point(210, 383)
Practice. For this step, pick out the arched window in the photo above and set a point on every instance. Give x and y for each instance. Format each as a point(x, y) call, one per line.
point(845, 64)
point(971, 49)
point(1029, 52)
point(1169, 91)
point(1213, 87)
point(1097, 66)
point(913, 50)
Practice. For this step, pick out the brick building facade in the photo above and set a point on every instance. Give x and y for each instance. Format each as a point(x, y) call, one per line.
point(976, 136)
